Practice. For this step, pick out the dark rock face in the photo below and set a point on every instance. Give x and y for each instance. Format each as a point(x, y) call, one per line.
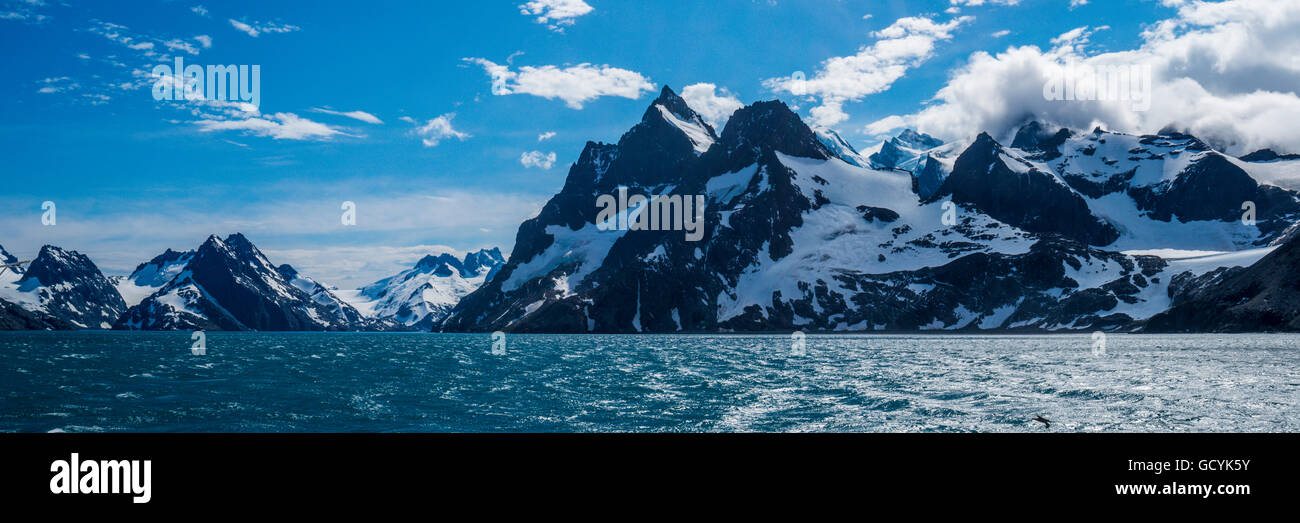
point(72, 289)
point(1024, 196)
point(976, 291)
point(229, 285)
point(1036, 137)
point(14, 317)
point(633, 288)
point(1264, 297)
point(1268, 155)
point(652, 156)
point(872, 214)
point(1211, 189)
point(1215, 189)
point(929, 176)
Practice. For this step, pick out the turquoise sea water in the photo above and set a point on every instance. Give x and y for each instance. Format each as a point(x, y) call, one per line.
point(350, 382)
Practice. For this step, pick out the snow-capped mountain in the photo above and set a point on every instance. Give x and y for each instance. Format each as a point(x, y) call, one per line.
point(58, 289)
point(230, 285)
point(1057, 231)
point(925, 157)
point(841, 147)
point(150, 276)
point(902, 149)
point(422, 295)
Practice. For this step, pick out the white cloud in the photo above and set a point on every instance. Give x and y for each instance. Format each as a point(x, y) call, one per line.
point(199, 10)
point(24, 11)
point(884, 125)
point(56, 85)
point(1225, 71)
point(1000, 34)
point(575, 85)
point(546, 136)
point(905, 44)
point(977, 3)
point(438, 129)
point(355, 115)
point(280, 126)
point(204, 40)
point(715, 108)
point(254, 29)
point(555, 14)
point(537, 159)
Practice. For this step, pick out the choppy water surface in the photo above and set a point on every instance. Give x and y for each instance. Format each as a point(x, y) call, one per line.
point(118, 381)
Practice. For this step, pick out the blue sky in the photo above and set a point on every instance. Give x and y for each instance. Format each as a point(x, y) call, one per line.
point(132, 176)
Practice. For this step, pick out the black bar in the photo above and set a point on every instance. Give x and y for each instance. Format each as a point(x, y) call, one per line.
point(432, 470)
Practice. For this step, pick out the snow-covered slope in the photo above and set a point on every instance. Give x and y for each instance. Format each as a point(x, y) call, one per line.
point(1272, 168)
point(150, 276)
point(422, 295)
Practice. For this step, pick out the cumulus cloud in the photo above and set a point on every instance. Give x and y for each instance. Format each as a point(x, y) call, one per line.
point(254, 29)
point(714, 105)
point(355, 115)
point(546, 136)
point(537, 159)
point(905, 44)
point(575, 85)
point(555, 14)
point(1225, 71)
point(438, 129)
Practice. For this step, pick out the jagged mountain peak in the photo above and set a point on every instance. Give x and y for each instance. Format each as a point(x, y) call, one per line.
point(441, 265)
point(675, 104)
point(68, 286)
point(168, 256)
point(770, 126)
point(55, 265)
point(839, 146)
point(903, 151)
point(422, 295)
point(228, 284)
point(475, 262)
point(916, 139)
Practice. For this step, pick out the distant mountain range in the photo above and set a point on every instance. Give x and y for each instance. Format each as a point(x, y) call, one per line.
point(225, 284)
point(1046, 229)
point(422, 295)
